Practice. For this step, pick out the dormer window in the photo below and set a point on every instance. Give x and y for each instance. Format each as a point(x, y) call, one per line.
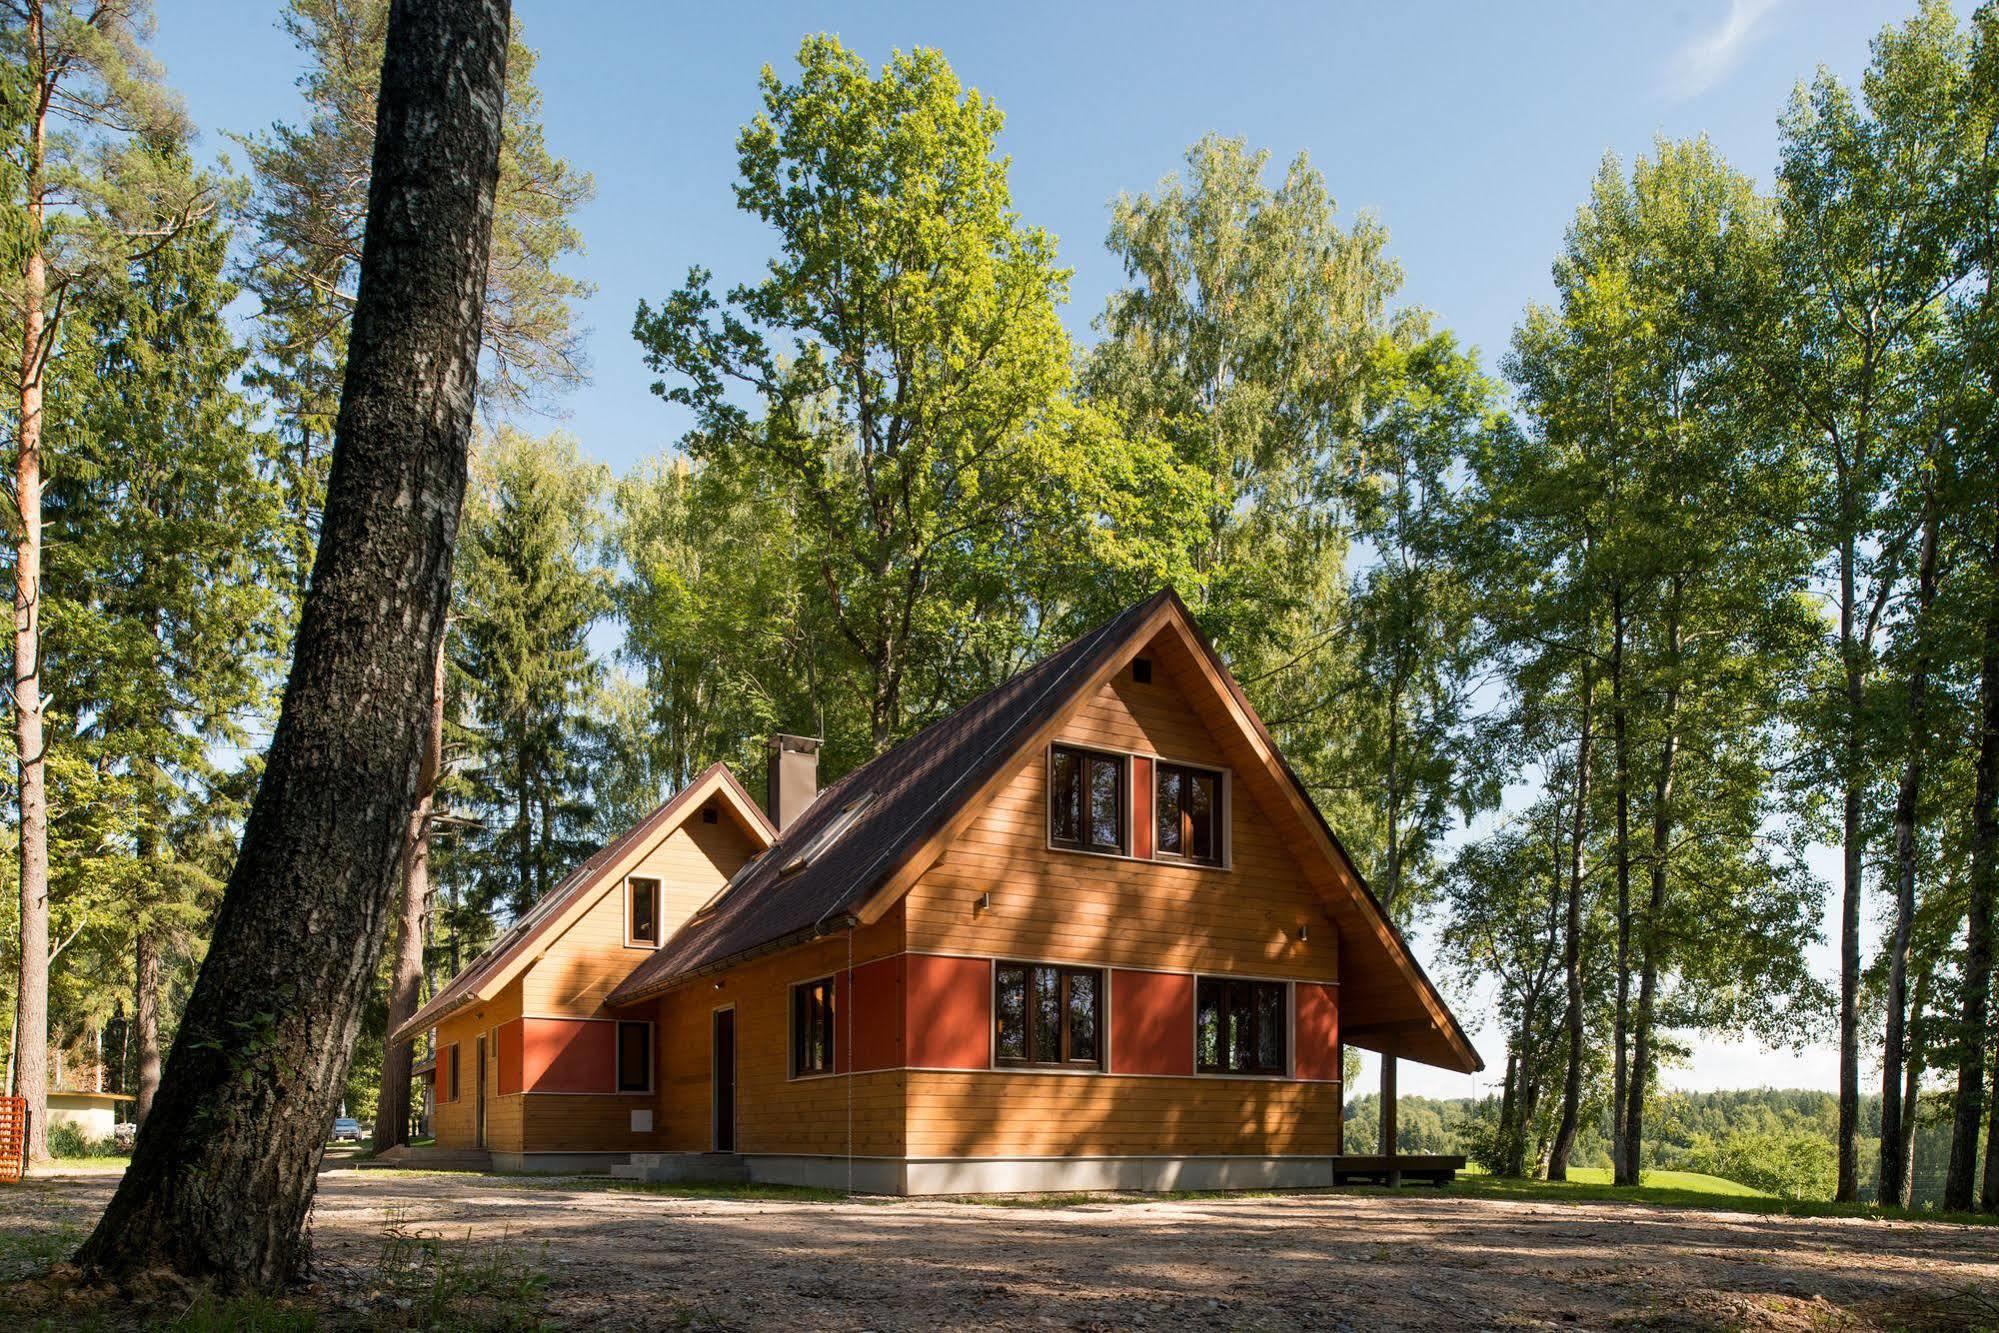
point(1086, 802)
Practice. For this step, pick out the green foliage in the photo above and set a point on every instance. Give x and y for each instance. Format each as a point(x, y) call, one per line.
point(886, 383)
point(1793, 1166)
point(530, 587)
point(309, 212)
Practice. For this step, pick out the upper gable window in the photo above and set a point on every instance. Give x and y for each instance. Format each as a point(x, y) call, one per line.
point(642, 911)
point(1187, 808)
point(1086, 800)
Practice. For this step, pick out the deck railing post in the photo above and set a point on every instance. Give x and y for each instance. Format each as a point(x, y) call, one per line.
point(1388, 1099)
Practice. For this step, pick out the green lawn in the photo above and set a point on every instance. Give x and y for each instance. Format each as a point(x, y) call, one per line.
point(1687, 1189)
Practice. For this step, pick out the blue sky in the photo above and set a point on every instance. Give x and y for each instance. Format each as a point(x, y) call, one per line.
point(1471, 131)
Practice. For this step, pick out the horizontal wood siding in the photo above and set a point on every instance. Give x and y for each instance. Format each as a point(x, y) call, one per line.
point(1065, 906)
point(452, 1122)
point(1004, 1114)
point(581, 966)
point(1070, 907)
point(774, 1112)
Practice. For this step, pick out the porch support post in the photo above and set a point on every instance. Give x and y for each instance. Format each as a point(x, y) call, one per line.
point(1388, 1097)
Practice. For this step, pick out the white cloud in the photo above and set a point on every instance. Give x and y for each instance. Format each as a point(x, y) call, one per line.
point(1706, 58)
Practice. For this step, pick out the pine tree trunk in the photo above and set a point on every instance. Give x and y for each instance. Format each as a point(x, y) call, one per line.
point(1572, 944)
point(1891, 1179)
point(223, 1174)
point(31, 998)
point(146, 1018)
point(392, 1107)
point(1969, 1106)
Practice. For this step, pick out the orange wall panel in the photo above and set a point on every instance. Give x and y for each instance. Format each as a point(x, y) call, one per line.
point(1152, 1023)
point(949, 1012)
point(569, 1055)
point(1317, 1031)
point(874, 997)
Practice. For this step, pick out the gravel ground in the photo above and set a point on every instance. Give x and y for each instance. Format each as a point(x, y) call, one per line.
point(572, 1253)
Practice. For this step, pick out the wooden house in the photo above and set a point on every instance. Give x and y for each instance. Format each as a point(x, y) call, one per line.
point(1087, 932)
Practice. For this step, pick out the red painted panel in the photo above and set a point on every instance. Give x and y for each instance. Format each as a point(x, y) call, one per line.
point(1152, 1023)
point(948, 1011)
point(510, 1057)
point(874, 1004)
point(1141, 807)
point(569, 1055)
point(1318, 1031)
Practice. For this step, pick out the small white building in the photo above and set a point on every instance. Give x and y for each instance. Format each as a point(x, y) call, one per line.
point(95, 1114)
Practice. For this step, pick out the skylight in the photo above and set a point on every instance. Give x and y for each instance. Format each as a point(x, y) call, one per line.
point(828, 835)
point(742, 873)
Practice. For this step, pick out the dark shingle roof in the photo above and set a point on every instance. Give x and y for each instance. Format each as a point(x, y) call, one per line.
point(916, 788)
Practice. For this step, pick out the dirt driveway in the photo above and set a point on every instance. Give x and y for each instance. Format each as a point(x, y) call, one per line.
point(576, 1254)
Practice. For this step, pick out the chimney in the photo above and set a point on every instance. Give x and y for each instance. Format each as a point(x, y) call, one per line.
point(791, 776)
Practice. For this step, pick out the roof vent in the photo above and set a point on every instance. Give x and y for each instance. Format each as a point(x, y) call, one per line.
point(1141, 670)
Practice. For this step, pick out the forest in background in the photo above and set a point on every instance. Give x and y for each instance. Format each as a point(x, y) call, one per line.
point(1579, 657)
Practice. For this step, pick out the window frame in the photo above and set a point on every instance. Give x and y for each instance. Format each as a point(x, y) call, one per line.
point(1085, 755)
point(800, 1016)
point(1284, 1021)
point(1099, 1014)
point(633, 941)
point(454, 1089)
point(1220, 859)
point(618, 1063)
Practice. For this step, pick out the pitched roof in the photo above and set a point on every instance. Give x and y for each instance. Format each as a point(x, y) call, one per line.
point(515, 948)
point(915, 789)
point(923, 788)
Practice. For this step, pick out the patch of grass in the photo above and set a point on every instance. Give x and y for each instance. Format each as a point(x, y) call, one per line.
point(423, 1280)
point(25, 1254)
point(242, 1314)
point(1686, 1189)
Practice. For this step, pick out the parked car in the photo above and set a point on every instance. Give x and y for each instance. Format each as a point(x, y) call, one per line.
point(347, 1130)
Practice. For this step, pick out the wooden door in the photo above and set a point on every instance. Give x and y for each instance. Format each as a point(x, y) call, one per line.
point(479, 1096)
point(725, 1080)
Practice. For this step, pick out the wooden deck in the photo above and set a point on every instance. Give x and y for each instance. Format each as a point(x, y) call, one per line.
point(1431, 1169)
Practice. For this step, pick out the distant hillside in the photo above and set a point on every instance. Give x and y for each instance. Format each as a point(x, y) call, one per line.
point(1774, 1139)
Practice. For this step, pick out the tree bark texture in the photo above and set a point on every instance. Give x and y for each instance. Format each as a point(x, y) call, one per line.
point(1572, 945)
point(1851, 841)
point(146, 1019)
point(223, 1174)
point(1891, 1178)
point(31, 1011)
point(392, 1108)
point(1968, 1109)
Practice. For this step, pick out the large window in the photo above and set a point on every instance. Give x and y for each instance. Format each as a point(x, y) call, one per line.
point(634, 1057)
point(1188, 807)
point(1048, 1015)
point(1086, 800)
point(812, 1027)
point(642, 911)
point(1239, 1026)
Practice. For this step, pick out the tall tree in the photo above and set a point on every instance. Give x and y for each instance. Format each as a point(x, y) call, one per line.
point(888, 377)
point(1864, 268)
point(309, 211)
point(97, 177)
point(162, 520)
point(530, 588)
point(223, 1173)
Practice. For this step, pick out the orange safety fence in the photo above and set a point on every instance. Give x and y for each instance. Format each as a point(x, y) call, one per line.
point(13, 1137)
